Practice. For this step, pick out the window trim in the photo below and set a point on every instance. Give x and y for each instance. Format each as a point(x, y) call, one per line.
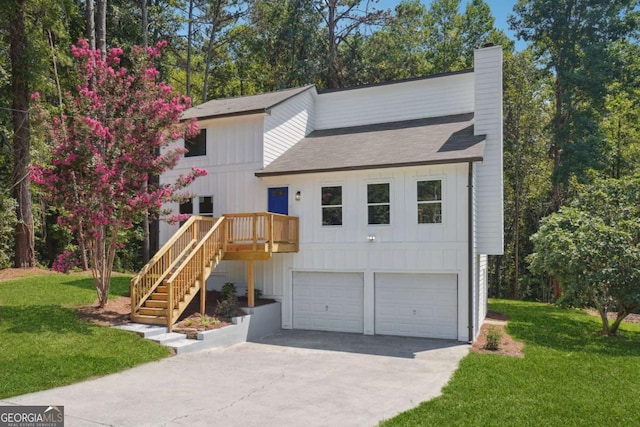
point(388, 203)
point(340, 206)
point(427, 202)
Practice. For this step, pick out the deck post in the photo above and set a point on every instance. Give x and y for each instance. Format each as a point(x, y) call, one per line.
point(250, 285)
point(203, 285)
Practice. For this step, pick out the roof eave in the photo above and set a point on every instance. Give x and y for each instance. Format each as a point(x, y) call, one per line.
point(226, 115)
point(369, 167)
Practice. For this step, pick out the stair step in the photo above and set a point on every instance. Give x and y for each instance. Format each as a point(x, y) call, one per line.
point(155, 304)
point(158, 312)
point(161, 289)
point(167, 338)
point(159, 296)
point(186, 346)
point(145, 331)
point(149, 320)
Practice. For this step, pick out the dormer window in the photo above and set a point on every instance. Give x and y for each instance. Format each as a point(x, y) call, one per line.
point(197, 145)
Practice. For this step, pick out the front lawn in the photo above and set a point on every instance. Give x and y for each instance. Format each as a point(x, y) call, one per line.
point(43, 344)
point(570, 376)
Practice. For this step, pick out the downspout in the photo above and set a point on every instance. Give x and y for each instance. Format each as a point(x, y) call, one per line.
point(470, 251)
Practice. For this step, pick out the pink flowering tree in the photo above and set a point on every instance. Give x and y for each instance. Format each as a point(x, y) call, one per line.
point(114, 133)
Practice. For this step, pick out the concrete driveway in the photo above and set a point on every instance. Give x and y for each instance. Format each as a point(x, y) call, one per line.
point(293, 378)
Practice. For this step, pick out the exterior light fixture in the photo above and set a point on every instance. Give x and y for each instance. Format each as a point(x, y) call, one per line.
point(298, 196)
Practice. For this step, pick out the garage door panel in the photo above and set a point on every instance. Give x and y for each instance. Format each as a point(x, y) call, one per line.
point(328, 301)
point(420, 305)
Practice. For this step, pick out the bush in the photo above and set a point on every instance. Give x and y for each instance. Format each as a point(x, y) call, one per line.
point(494, 338)
point(228, 290)
point(226, 308)
point(257, 294)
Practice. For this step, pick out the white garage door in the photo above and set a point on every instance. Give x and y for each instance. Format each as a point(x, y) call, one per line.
point(416, 305)
point(328, 301)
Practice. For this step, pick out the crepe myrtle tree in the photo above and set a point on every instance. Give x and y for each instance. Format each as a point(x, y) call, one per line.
point(114, 132)
point(593, 247)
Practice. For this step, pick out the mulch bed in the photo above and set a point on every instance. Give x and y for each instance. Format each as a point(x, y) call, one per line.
point(508, 346)
point(118, 310)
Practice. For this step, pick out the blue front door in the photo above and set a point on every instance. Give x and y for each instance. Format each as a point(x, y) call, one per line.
point(279, 200)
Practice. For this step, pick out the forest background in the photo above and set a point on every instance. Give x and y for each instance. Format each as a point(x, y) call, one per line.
point(571, 91)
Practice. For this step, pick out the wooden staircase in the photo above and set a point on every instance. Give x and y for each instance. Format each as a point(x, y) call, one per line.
point(164, 287)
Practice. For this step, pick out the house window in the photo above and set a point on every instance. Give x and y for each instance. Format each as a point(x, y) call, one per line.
point(206, 205)
point(332, 205)
point(430, 202)
point(378, 205)
point(197, 145)
point(186, 208)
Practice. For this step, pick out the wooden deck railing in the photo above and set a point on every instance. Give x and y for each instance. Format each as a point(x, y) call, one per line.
point(164, 261)
point(261, 227)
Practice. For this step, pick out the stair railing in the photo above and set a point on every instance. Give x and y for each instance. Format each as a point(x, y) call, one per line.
point(195, 267)
point(164, 261)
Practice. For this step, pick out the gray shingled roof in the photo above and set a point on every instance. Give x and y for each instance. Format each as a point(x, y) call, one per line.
point(435, 140)
point(241, 105)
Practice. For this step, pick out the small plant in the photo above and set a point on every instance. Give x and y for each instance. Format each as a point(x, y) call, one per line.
point(206, 321)
point(494, 338)
point(257, 294)
point(228, 290)
point(226, 308)
point(188, 322)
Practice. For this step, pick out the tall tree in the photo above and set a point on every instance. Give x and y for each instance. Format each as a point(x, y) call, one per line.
point(574, 40)
point(105, 149)
point(526, 174)
point(341, 19)
point(21, 183)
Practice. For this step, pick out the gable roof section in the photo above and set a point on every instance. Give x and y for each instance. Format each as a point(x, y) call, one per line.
point(243, 105)
point(434, 140)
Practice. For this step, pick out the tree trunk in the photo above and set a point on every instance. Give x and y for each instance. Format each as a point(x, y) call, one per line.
point(90, 19)
point(207, 64)
point(189, 42)
point(24, 241)
point(101, 26)
point(145, 22)
point(622, 313)
point(333, 46)
point(602, 310)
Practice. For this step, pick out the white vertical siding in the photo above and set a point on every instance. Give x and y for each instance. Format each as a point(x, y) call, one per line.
point(234, 153)
point(488, 121)
point(287, 124)
point(439, 96)
point(402, 246)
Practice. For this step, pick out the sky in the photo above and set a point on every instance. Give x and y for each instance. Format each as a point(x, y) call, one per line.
point(500, 9)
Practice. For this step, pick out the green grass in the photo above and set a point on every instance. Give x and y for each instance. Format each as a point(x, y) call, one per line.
point(570, 376)
point(43, 344)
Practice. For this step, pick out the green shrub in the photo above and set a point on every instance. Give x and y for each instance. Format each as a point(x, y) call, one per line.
point(257, 294)
point(494, 338)
point(228, 290)
point(226, 308)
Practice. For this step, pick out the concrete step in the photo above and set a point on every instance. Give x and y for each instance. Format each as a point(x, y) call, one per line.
point(186, 346)
point(145, 331)
point(168, 338)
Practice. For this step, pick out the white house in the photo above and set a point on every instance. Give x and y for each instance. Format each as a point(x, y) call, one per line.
point(397, 187)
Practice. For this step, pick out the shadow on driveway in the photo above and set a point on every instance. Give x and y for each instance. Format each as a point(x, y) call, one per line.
point(375, 345)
